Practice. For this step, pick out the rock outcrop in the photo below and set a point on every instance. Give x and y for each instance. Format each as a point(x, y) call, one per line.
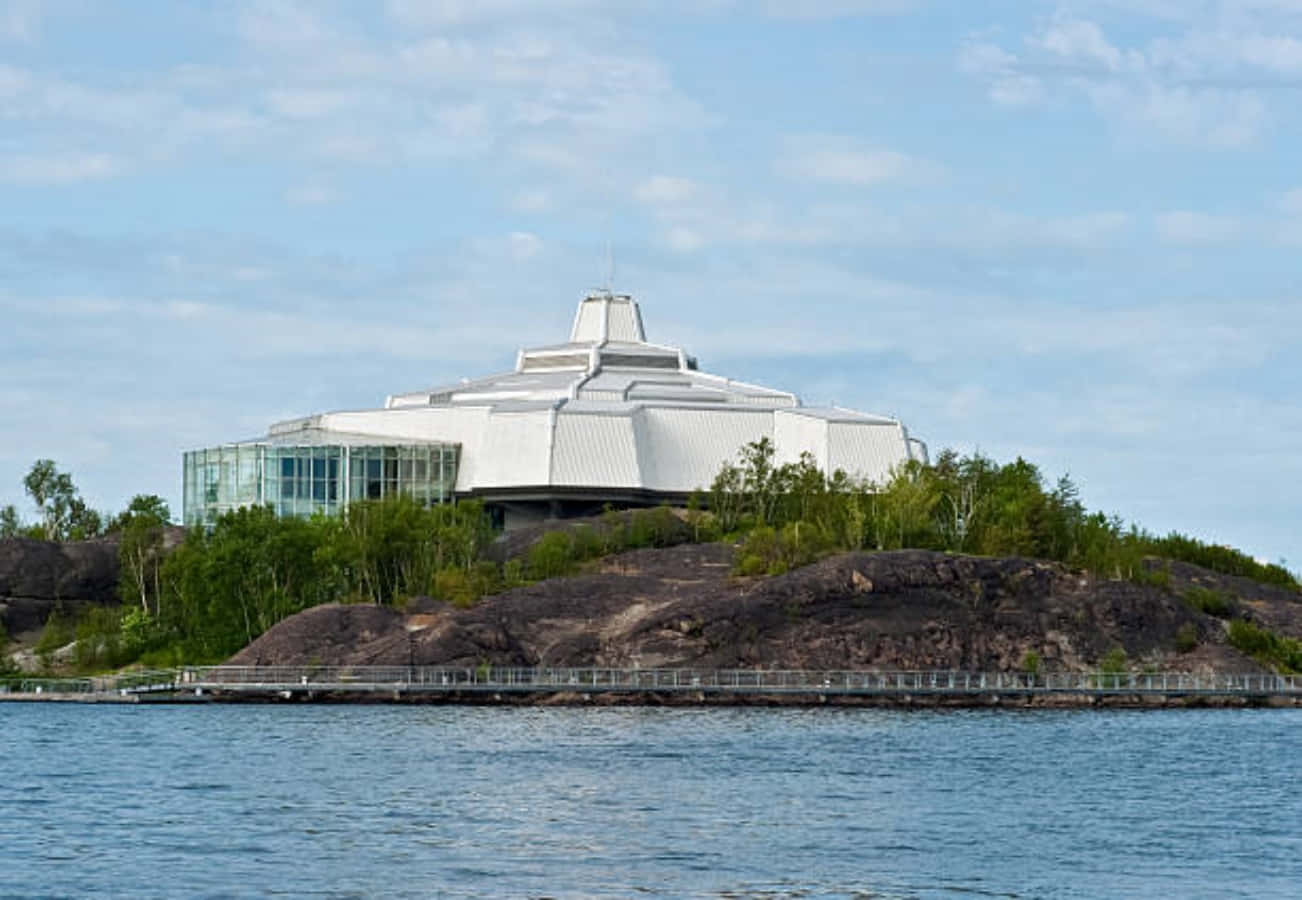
point(38, 576)
point(899, 610)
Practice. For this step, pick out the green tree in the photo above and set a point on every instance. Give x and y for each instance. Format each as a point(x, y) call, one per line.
point(64, 515)
point(903, 510)
point(726, 499)
point(10, 524)
point(140, 548)
point(762, 482)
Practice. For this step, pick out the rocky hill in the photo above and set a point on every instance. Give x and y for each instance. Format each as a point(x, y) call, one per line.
point(681, 606)
point(37, 576)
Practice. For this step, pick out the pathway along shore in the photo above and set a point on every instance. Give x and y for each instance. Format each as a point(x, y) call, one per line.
point(667, 687)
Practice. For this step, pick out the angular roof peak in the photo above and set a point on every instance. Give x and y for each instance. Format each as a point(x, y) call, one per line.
point(604, 316)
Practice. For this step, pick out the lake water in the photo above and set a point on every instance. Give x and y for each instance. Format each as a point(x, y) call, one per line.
point(576, 802)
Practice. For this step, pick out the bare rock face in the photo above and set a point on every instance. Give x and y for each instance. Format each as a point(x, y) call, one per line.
point(330, 634)
point(37, 576)
point(681, 606)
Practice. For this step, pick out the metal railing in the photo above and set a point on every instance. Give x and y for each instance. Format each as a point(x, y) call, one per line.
point(778, 681)
point(589, 680)
point(123, 683)
point(38, 686)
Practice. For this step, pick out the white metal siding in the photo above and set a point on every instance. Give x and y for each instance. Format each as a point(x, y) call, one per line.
point(516, 450)
point(795, 434)
point(587, 323)
point(623, 324)
point(595, 451)
point(683, 449)
point(866, 451)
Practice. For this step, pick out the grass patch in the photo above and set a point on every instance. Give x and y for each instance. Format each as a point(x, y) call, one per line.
point(1158, 576)
point(1212, 602)
point(1114, 662)
point(1283, 654)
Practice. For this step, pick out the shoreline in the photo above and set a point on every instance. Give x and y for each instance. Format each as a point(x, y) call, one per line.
point(1012, 701)
point(489, 686)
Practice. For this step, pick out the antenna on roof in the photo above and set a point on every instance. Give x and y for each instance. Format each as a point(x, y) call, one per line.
point(608, 286)
point(610, 265)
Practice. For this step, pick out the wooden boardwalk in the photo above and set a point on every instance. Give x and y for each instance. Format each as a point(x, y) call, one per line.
point(490, 683)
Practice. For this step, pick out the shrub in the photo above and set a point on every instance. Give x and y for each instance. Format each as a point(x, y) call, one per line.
point(1284, 654)
point(1225, 560)
point(1210, 601)
point(140, 632)
point(1114, 662)
point(513, 573)
point(653, 527)
point(1249, 638)
point(614, 531)
point(1158, 576)
point(587, 543)
point(552, 556)
point(6, 667)
point(796, 544)
point(1186, 638)
point(1031, 663)
point(464, 587)
point(758, 549)
point(58, 632)
point(99, 639)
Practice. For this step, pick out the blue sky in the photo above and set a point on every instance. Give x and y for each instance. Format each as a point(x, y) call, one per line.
point(1068, 231)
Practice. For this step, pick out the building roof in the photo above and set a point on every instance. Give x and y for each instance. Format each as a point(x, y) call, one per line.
point(609, 410)
point(606, 361)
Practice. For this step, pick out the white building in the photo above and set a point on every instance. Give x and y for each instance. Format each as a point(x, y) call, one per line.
point(604, 418)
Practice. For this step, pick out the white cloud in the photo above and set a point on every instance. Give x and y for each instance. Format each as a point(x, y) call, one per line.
point(1222, 53)
point(13, 81)
point(1007, 85)
point(1194, 228)
point(184, 310)
point(684, 240)
point(983, 230)
point(844, 160)
point(352, 148)
point(666, 190)
point(524, 245)
point(833, 9)
point(305, 103)
point(284, 26)
point(531, 200)
point(1291, 202)
point(446, 13)
point(309, 84)
point(20, 20)
point(442, 14)
point(309, 195)
point(57, 169)
point(1198, 88)
point(1215, 118)
point(1079, 41)
point(1085, 230)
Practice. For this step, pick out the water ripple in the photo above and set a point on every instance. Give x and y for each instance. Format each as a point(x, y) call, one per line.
point(336, 801)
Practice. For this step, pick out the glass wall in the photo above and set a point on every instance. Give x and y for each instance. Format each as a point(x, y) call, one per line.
point(301, 480)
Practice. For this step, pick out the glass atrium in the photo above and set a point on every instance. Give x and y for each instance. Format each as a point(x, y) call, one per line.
point(301, 479)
